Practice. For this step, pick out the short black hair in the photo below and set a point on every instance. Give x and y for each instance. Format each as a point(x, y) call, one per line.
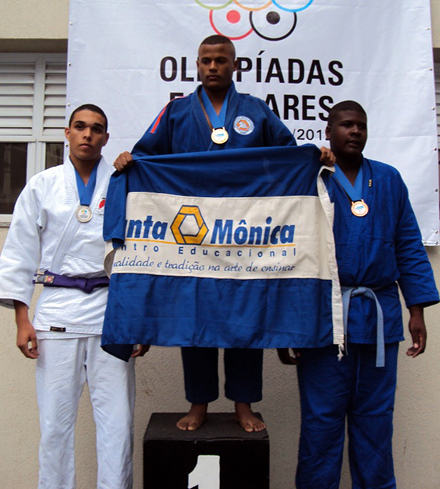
point(92, 108)
point(343, 106)
point(217, 39)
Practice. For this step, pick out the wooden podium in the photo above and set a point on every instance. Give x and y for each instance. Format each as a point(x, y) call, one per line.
point(219, 455)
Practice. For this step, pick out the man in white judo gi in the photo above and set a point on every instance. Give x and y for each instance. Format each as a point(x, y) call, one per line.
point(57, 228)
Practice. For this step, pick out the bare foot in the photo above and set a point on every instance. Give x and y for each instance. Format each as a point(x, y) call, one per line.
point(247, 419)
point(194, 419)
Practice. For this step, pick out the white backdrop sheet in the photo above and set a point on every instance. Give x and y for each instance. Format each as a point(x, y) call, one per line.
point(131, 56)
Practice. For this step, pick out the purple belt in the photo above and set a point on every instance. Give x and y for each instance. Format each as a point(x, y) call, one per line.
point(49, 279)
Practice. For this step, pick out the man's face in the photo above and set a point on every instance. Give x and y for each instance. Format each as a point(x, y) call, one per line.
point(347, 134)
point(86, 135)
point(216, 65)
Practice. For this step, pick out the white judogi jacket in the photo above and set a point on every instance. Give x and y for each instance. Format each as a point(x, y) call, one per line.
point(45, 234)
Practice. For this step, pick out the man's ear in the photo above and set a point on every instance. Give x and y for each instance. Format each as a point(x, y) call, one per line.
point(327, 132)
point(107, 135)
point(67, 133)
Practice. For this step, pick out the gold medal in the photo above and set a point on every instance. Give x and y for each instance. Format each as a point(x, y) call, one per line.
point(219, 135)
point(84, 213)
point(359, 208)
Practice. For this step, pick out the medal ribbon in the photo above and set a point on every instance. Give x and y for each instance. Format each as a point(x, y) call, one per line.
point(85, 192)
point(215, 120)
point(353, 191)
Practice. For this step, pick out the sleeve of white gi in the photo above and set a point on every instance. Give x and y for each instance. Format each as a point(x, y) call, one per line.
point(21, 253)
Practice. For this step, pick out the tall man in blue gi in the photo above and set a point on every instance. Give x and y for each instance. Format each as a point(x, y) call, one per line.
point(213, 118)
point(378, 248)
point(57, 227)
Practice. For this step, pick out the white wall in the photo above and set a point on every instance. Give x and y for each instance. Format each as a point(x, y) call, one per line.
point(159, 373)
point(48, 19)
point(34, 19)
point(435, 15)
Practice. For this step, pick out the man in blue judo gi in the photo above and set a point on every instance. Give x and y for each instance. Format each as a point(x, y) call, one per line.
point(213, 118)
point(378, 248)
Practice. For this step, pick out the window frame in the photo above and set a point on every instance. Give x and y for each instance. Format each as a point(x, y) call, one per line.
point(36, 141)
point(437, 98)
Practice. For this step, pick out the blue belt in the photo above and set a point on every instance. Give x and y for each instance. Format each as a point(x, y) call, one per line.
point(347, 294)
point(49, 279)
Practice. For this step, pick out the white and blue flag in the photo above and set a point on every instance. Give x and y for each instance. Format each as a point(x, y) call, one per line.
point(228, 249)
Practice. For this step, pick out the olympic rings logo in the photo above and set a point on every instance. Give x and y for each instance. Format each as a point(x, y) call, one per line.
point(271, 20)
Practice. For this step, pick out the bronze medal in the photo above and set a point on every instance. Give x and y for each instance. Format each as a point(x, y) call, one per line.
point(359, 208)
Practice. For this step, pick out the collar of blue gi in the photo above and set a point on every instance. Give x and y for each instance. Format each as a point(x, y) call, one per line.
point(353, 191)
point(216, 120)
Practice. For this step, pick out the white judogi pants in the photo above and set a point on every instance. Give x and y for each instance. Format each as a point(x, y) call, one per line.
point(64, 365)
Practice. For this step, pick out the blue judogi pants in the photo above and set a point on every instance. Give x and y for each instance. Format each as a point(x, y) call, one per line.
point(353, 388)
point(243, 374)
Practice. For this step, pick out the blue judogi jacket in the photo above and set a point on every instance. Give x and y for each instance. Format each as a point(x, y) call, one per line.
point(181, 127)
point(380, 251)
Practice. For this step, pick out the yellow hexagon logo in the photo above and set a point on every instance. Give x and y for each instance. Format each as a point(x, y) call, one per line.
point(186, 213)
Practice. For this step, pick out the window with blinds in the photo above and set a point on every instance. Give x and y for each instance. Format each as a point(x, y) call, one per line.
point(54, 106)
point(17, 81)
point(32, 119)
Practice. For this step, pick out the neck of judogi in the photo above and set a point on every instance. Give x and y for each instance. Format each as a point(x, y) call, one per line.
point(217, 98)
point(350, 167)
point(84, 168)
